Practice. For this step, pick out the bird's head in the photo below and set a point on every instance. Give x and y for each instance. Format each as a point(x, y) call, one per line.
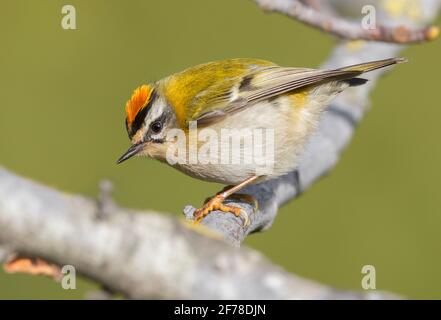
point(148, 119)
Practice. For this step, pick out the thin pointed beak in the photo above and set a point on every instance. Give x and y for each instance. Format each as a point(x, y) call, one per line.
point(132, 151)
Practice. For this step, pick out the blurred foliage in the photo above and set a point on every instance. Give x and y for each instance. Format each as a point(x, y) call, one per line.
point(62, 123)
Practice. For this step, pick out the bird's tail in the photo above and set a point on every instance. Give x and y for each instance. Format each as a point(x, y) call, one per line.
point(366, 67)
point(373, 65)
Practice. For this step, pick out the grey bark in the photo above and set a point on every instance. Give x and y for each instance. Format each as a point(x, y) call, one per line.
point(142, 254)
point(318, 16)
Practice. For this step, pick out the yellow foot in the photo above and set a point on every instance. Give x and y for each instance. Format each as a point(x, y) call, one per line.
point(216, 204)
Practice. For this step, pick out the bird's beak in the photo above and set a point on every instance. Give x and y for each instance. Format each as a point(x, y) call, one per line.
point(132, 151)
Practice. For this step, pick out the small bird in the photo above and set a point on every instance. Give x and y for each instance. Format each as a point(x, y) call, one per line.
point(235, 94)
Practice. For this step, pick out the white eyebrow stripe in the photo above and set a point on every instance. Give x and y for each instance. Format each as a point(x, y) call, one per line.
point(156, 111)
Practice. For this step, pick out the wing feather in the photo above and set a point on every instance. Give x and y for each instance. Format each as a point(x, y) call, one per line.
point(271, 81)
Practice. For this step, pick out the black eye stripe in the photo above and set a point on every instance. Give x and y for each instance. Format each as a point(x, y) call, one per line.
point(139, 119)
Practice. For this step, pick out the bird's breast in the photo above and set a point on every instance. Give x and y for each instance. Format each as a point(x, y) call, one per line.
point(264, 139)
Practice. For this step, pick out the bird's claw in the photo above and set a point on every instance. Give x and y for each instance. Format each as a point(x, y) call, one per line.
point(216, 204)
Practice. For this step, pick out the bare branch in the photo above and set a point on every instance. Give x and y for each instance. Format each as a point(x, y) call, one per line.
point(142, 254)
point(347, 29)
point(5, 253)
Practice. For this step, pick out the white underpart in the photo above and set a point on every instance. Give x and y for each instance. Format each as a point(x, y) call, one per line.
point(292, 127)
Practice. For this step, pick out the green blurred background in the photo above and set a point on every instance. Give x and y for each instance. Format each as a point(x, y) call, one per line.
point(61, 123)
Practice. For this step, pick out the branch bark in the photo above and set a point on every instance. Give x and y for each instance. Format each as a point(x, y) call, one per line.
point(344, 28)
point(142, 254)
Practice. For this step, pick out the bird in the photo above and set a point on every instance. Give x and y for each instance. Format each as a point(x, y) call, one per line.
point(235, 95)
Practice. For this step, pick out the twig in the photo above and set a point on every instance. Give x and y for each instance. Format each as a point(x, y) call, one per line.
point(105, 203)
point(347, 29)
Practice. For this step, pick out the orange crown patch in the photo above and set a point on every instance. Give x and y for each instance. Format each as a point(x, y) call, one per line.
point(138, 101)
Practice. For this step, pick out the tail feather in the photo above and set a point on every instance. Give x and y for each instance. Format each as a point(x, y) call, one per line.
point(373, 65)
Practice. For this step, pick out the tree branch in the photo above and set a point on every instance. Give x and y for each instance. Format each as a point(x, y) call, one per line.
point(142, 254)
point(344, 28)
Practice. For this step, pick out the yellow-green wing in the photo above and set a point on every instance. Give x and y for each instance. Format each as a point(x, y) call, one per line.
point(270, 81)
point(207, 87)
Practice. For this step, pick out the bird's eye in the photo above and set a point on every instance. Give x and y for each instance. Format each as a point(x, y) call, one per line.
point(156, 126)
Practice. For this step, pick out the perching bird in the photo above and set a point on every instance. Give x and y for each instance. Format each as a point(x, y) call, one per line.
point(230, 95)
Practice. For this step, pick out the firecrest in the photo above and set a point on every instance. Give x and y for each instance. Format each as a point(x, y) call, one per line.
point(233, 95)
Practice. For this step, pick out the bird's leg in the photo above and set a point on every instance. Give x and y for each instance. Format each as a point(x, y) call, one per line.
point(216, 203)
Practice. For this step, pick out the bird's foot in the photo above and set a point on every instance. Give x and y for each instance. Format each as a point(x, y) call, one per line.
point(216, 204)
